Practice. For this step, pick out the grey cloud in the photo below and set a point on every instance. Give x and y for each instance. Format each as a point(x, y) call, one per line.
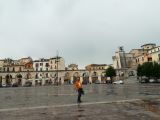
point(84, 31)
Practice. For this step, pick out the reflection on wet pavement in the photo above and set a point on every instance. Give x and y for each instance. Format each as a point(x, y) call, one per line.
point(146, 108)
point(138, 110)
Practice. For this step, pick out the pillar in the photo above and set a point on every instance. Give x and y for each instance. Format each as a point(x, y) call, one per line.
point(62, 80)
point(72, 80)
point(23, 82)
point(33, 82)
point(81, 79)
point(99, 78)
point(3, 81)
point(43, 81)
point(90, 79)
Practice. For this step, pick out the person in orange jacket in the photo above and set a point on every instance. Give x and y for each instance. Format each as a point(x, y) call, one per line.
point(78, 86)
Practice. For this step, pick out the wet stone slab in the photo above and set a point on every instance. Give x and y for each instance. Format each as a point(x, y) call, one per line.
point(138, 110)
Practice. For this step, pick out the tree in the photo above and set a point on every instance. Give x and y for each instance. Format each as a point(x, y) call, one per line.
point(149, 69)
point(139, 70)
point(156, 70)
point(110, 72)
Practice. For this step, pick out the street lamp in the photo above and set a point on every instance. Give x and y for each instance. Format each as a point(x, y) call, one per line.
point(57, 60)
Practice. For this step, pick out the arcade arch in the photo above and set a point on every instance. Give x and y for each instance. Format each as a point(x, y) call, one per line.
point(19, 79)
point(75, 76)
point(85, 78)
point(8, 79)
point(67, 78)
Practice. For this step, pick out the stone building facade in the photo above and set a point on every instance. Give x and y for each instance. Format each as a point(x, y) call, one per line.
point(127, 62)
point(154, 53)
point(46, 72)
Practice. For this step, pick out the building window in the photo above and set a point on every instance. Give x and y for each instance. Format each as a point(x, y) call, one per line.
point(41, 69)
point(37, 64)
point(41, 64)
point(46, 69)
point(142, 59)
point(36, 76)
point(13, 69)
point(20, 68)
point(149, 59)
point(7, 69)
point(3, 69)
point(47, 64)
point(46, 75)
point(36, 69)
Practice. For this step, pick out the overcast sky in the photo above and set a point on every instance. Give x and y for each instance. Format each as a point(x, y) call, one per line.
point(83, 31)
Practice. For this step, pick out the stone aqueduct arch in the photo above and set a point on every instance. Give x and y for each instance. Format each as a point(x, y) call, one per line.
point(47, 77)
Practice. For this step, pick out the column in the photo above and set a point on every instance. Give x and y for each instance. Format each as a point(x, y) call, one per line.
point(62, 80)
point(43, 81)
point(90, 79)
point(13, 80)
point(99, 78)
point(3, 81)
point(81, 79)
point(23, 82)
point(71, 79)
point(33, 82)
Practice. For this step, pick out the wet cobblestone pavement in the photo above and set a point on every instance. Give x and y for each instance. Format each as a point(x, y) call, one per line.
point(138, 110)
point(131, 101)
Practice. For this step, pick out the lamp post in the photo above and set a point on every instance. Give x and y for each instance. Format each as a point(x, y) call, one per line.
point(57, 60)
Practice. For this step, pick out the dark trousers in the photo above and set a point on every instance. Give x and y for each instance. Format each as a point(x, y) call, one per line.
point(79, 95)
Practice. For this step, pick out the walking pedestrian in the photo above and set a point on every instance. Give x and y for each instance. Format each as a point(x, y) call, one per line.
point(78, 86)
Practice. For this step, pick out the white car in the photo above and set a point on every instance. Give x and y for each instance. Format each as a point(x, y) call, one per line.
point(118, 82)
point(4, 85)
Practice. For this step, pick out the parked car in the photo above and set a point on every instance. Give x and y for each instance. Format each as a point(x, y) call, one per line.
point(4, 85)
point(97, 82)
point(158, 80)
point(152, 80)
point(144, 80)
point(118, 82)
point(28, 84)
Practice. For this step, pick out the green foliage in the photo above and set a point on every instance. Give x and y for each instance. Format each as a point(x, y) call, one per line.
point(149, 69)
point(110, 72)
point(156, 70)
point(139, 70)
